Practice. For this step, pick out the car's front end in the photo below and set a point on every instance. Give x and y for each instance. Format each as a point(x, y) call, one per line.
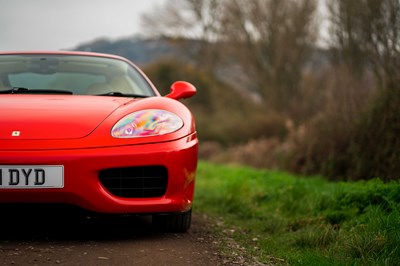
point(143, 178)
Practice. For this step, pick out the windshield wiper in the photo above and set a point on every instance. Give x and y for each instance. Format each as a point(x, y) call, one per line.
point(120, 94)
point(21, 90)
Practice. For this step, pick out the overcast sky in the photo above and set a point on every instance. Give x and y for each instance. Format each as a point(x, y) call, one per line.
point(60, 24)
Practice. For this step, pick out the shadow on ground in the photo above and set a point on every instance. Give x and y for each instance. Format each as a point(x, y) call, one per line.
point(32, 222)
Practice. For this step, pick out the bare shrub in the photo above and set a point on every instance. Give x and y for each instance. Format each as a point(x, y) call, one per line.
point(259, 153)
point(209, 149)
point(320, 144)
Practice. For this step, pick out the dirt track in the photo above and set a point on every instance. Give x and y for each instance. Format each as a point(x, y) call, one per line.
point(51, 240)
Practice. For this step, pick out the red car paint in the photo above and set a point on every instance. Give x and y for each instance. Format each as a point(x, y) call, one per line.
point(74, 131)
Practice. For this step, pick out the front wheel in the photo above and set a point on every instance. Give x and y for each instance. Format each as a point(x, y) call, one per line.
point(175, 222)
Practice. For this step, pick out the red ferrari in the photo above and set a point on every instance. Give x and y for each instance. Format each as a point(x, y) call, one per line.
point(91, 130)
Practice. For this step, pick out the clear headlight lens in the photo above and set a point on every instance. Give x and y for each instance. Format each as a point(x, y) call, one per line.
point(146, 123)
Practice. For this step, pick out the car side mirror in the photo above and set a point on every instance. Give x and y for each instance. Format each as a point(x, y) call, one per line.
point(181, 90)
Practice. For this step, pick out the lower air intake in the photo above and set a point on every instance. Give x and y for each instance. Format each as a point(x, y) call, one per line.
point(135, 182)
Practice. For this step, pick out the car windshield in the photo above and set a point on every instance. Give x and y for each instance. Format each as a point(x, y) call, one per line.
point(72, 74)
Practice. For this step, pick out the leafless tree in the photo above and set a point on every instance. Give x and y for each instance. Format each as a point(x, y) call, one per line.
point(264, 42)
point(185, 20)
point(272, 40)
point(367, 34)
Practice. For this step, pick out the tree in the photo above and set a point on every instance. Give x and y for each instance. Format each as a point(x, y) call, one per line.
point(367, 35)
point(268, 39)
point(185, 20)
point(272, 39)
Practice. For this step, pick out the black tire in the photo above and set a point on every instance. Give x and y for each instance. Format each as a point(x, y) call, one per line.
point(173, 223)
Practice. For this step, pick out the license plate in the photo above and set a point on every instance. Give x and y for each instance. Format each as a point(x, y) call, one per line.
point(31, 176)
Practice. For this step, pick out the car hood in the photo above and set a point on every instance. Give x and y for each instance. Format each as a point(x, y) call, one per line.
point(52, 116)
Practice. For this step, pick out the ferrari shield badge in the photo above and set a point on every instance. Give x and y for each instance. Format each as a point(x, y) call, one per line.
point(15, 133)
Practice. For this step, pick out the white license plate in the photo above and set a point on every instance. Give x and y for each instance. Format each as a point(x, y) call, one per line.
point(31, 176)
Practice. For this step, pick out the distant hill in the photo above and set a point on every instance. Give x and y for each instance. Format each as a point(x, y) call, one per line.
point(139, 51)
point(145, 51)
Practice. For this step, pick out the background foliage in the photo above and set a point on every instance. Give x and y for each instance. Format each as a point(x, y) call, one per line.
point(280, 101)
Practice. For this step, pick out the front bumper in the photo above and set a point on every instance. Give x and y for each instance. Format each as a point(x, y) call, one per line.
point(83, 188)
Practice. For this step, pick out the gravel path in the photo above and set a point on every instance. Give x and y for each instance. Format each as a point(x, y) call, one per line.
point(53, 240)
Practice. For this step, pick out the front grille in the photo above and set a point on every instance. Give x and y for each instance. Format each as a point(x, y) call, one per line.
point(135, 182)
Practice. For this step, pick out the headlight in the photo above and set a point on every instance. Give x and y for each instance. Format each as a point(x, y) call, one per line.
point(146, 123)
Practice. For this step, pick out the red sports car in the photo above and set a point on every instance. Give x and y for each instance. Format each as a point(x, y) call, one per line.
point(91, 130)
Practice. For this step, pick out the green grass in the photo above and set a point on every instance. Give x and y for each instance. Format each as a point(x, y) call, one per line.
point(286, 219)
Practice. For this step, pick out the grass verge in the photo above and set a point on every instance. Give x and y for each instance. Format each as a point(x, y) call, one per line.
point(290, 220)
